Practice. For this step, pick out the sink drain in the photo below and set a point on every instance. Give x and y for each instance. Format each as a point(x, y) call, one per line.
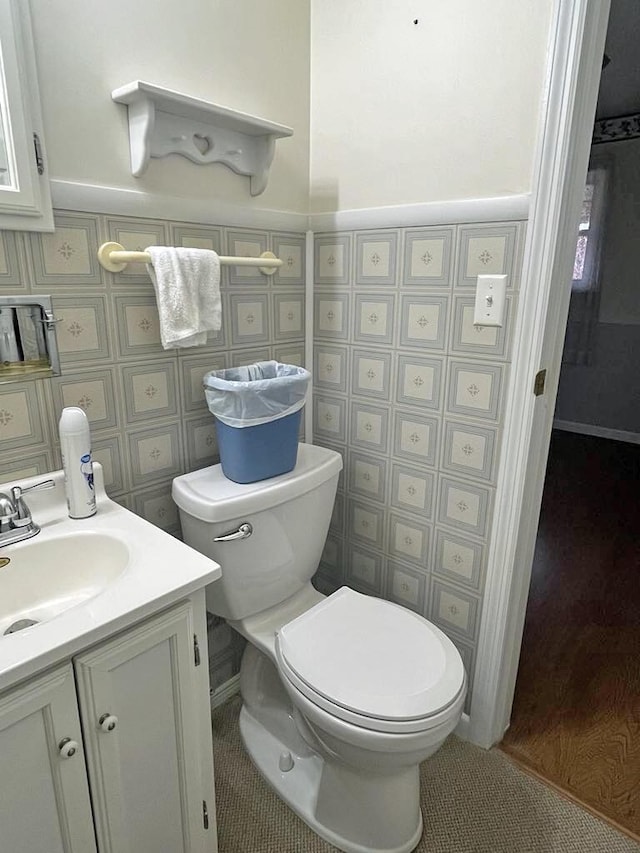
point(20, 625)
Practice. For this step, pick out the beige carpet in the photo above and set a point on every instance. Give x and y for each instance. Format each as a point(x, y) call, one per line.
point(472, 801)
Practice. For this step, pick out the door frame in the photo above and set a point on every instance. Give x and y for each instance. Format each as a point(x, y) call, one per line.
point(576, 46)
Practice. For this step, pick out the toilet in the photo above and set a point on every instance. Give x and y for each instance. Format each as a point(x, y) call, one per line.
point(343, 695)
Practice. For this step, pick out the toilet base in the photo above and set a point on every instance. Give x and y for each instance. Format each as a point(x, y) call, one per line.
point(371, 806)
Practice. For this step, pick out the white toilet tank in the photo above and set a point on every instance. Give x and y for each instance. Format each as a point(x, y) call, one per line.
point(289, 516)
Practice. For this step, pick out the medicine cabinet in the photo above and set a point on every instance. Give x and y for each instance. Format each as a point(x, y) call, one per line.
point(28, 346)
point(25, 197)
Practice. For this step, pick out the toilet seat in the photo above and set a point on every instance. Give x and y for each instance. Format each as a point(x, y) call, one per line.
point(370, 662)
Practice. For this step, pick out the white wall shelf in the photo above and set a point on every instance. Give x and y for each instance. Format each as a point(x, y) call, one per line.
point(163, 122)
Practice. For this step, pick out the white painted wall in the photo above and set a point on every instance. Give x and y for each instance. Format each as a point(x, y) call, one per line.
point(604, 392)
point(620, 294)
point(443, 109)
point(401, 113)
point(619, 92)
point(245, 55)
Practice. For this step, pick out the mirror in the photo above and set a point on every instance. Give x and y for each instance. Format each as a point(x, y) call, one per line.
point(25, 197)
point(28, 346)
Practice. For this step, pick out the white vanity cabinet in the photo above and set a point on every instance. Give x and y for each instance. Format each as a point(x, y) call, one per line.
point(44, 793)
point(143, 703)
point(143, 741)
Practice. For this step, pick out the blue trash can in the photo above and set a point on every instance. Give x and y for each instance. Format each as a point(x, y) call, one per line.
point(257, 409)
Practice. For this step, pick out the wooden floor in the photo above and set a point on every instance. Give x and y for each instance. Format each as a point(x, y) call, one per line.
point(576, 716)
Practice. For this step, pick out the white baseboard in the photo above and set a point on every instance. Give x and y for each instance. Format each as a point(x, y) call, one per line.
point(600, 432)
point(463, 728)
point(225, 692)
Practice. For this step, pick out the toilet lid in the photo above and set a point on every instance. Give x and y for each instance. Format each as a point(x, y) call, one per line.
point(371, 657)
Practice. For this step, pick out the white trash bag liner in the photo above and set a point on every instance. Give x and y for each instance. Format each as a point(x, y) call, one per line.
point(256, 394)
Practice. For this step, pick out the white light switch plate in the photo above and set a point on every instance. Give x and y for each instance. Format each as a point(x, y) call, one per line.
point(490, 299)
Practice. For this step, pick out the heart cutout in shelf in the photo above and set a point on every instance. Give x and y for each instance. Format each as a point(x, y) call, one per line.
point(204, 144)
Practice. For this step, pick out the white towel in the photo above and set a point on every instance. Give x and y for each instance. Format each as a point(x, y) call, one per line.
point(187, 285)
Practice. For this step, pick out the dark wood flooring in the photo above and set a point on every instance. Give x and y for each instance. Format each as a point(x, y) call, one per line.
point(576, 715)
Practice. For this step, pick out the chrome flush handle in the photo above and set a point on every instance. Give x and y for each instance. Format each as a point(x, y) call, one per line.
point(243, 532)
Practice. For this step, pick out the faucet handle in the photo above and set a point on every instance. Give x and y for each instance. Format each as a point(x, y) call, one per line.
point(18, 491)
point(23, 516)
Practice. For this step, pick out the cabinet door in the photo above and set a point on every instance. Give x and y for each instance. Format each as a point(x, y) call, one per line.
point(44, 795)
point(139, 707)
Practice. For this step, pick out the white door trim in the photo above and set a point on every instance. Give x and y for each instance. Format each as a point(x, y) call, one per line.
point(575, 54)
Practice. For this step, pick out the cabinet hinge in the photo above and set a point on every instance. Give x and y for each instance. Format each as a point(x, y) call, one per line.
point(538, 382)
point(196, 651)
point(37, 148)
point(205, 815)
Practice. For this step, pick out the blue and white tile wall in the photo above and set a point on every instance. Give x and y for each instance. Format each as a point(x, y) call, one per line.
point(148, 416)
point(412, 394)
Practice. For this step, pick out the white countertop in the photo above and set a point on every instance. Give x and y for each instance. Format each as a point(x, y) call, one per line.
point(161, 571)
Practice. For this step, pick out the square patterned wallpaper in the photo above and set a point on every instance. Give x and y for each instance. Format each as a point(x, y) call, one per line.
point(405, 386)
point(411, 393)
point(146, 407)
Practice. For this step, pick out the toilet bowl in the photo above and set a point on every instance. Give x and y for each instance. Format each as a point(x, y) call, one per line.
point(344, 695)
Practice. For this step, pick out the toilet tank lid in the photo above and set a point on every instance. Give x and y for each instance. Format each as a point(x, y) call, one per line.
point(209, 496)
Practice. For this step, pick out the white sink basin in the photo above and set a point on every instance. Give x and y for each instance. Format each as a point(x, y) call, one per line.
point(81, 581)
point(46, 577)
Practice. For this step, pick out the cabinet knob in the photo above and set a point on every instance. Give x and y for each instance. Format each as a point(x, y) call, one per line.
point(68, 747)
point(108, 722)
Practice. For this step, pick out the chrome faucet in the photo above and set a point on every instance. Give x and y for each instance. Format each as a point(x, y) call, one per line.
point(16, 522)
